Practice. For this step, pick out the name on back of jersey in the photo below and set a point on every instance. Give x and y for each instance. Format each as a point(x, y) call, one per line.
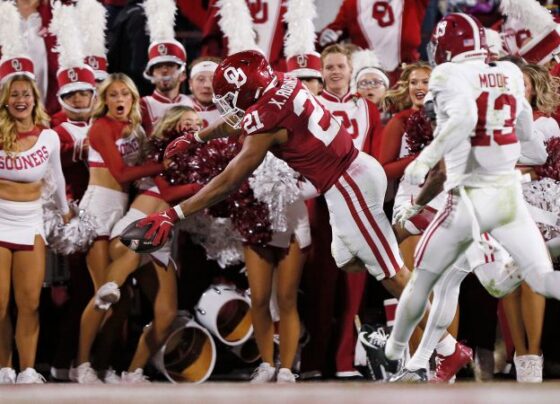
point(492, 80)
point(283, 93)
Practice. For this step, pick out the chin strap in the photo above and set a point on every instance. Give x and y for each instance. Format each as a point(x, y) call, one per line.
point(86, 110)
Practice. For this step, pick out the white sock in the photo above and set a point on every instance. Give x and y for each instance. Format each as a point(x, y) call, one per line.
point(394, 349)
point(446, 346)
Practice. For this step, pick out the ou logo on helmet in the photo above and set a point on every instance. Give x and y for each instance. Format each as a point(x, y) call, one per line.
point(235, 76)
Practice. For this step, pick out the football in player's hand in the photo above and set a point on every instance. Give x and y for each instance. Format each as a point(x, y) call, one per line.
point(134, 237)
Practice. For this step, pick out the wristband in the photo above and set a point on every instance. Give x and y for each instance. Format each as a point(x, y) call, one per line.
point(197, 138)
point(179, 211)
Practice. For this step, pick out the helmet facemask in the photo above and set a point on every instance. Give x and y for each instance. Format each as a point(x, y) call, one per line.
point(228, 109)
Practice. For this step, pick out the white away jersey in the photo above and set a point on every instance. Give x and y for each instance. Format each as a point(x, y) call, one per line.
point(481, 113)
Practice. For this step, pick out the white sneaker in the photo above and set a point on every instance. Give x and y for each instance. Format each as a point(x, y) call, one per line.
point(60, 374)
point(528, 368)
point(263, 374)
point(84, 374)
point(7, 376)
point(285, 376)
point(30, 376)
point(135, 377)
point(107, 295)
point(111, 377)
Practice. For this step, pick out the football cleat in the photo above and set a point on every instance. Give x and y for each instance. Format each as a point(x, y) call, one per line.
point(373, 341)
point(448, 366)
point(410, 376)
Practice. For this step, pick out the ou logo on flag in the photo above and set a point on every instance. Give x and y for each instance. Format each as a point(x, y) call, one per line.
point(235, 76)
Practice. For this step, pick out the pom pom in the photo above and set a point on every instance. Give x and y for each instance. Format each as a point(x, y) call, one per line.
point(199, 163)
point(544, 194)
point(92, 17)
point(157, 145)
point(418, 132)
point(11, 38)
point(68, 38)
point(237, 25)
point(75, 236)
point(161, 19)
point(551, 168)
point(300, 36)
point(276, 184)
point(219, 238)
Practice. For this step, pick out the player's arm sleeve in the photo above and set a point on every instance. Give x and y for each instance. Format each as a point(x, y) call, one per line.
point(216, 130)
point(533, 151)
point(56, 167)
point(524, 127)
point(456, 115)
point(101, 141)
point(175, 193)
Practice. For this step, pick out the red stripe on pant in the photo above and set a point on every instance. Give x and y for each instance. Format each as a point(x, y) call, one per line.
point(432, 229)
point(362, 228)
point(371, 220)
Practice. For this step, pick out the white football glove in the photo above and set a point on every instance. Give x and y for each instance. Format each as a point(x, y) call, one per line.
point(405, 212)
point(415, 173)
point(328, 36)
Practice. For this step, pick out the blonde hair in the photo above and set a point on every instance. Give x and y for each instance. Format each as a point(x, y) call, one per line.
point(101, 108)
point(397, 98)
point(337, 48)
point(546, 98)
point(8, 131)
point(169, 121)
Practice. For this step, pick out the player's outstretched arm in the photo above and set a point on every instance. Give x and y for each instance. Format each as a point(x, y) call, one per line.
point(249, 158)
point(217, 130)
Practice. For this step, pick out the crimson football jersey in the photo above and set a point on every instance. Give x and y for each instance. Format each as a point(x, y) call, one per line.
point(317, 147)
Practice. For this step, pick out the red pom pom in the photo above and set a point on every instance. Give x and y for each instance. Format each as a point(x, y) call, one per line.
point(199, 163)
point(551, 168)
point(157, 145)
point(418, 132)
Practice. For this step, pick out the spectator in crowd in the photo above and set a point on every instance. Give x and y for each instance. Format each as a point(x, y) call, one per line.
point(200, 85)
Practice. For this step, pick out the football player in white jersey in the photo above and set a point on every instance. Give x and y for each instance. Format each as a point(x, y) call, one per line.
point(481, 113)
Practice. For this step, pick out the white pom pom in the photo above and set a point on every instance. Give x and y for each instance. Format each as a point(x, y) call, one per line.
point(544, 194)
point(275, 184)
point(11, 38)
point(300, 37)
point(219, 238)
point(237, 25)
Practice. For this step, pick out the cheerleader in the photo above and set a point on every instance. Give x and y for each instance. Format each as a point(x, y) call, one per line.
point(27, 152)
point(157, 281)
point(115, 144)
point(524, 308)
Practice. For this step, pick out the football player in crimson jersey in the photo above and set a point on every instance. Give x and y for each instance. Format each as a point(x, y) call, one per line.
point(481, 112)
point(277, 114)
